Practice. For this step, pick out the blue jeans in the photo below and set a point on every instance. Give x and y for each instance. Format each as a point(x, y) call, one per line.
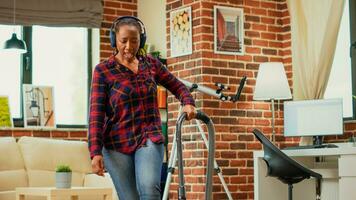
point(136, 176)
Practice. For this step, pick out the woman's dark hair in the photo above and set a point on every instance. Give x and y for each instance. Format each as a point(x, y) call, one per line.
point(130, 22)
point(127, 21)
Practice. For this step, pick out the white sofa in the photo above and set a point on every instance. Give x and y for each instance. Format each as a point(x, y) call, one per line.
point(31, 162)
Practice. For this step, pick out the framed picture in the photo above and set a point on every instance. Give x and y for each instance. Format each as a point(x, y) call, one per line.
point(38, 106)
point(228, 30)
point(5, 114)
point(181, 32)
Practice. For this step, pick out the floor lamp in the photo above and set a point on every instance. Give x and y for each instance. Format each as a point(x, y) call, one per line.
point(272, 84)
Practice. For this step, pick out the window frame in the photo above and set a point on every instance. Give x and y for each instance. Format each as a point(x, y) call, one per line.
point(26, 74)
point(352, 54)
point(352, 10)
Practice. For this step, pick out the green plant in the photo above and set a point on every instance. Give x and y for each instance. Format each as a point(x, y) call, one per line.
point(63, 168)
point(156, 54)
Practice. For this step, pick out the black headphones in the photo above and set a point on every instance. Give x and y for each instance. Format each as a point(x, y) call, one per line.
point(113, 34)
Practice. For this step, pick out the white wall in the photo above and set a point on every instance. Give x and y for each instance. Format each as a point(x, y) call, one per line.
point(153, 14)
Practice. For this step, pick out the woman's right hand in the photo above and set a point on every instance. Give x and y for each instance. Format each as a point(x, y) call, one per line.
point(97, 165)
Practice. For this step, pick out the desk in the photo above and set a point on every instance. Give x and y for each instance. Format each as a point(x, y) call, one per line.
point(337, 166)
point(52, 193)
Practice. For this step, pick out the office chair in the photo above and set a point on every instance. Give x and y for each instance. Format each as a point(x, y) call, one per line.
point(283, 167)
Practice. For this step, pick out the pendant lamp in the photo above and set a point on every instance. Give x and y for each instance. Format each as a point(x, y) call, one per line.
point(14, 44)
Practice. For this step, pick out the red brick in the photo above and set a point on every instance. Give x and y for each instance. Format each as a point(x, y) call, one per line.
point(262, 43)
point(82, 134)
point(266, 20)
point(269, 36)
point(20, 133)
point(61, 134)
point(252, 3)
point(238, 163)
point(262, 106)
point(259, 27)
point(112, 4)
point(262, 122)
point(275, 44)
point(252, 34)
point(246, 171)
point(246, 58)
point(5, 133)
point(41, 134)
point(239, 179)
point(274, 13)
point(272, 5)
point(259, 11)
point(245, 121)
point(253, 50)
point(245, 154)
point(260, 59)
point(228, 155)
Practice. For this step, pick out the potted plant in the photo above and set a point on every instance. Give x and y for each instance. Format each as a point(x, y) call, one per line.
point(63, 176)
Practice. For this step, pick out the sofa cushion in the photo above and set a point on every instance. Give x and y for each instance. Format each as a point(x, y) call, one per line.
point(12, 169)
point(7, 195)
point(42, 155)
point(10, 179)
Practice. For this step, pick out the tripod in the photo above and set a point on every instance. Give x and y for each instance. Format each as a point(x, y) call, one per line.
point(172, 160)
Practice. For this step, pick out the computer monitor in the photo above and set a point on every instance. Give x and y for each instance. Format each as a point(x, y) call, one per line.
point(313, 118)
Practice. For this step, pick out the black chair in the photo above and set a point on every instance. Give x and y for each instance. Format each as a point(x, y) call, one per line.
point(283, 167)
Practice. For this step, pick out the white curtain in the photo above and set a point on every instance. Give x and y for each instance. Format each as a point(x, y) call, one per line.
point(75, 13)
point(314, 27)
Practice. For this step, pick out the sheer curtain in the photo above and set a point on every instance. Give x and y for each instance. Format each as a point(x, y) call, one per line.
point(314, 28)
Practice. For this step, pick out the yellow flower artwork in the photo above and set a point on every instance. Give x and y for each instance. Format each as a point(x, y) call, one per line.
point(181, 32)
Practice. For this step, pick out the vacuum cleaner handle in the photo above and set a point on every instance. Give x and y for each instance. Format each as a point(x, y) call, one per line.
point(181, 188)
point(211, 153)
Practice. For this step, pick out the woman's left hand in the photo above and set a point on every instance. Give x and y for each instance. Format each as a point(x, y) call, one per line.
point(190, 110)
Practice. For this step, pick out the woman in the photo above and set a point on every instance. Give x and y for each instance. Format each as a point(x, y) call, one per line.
point(125, 133)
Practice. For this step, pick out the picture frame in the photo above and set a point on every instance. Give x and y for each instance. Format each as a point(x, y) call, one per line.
point(38, 104)
point(228, 30)
point(5, 112)
point(181, 32)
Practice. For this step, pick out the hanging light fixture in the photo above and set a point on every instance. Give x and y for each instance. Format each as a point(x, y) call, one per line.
point(14, 44)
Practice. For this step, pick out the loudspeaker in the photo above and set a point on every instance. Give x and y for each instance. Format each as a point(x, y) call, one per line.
point(113, 35)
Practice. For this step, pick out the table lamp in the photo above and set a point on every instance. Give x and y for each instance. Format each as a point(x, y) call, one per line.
point(272, 84)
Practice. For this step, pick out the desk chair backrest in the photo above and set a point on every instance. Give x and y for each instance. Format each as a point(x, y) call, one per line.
point(280, 165)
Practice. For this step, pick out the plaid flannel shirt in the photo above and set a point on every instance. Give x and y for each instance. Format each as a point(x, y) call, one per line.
point(123, 105)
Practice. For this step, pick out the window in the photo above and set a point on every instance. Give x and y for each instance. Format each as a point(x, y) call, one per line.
point(57, 57)
point(10, 72)
point(60, 59)
point(340, 80)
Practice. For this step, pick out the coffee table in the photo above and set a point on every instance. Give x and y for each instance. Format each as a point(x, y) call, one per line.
point(53, 193)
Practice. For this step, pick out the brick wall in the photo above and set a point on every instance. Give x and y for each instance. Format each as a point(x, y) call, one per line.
point(68, 134)
point(267, 38)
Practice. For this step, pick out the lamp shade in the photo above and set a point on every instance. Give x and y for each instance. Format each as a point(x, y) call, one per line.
point(14, 44)
point(271, 82)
